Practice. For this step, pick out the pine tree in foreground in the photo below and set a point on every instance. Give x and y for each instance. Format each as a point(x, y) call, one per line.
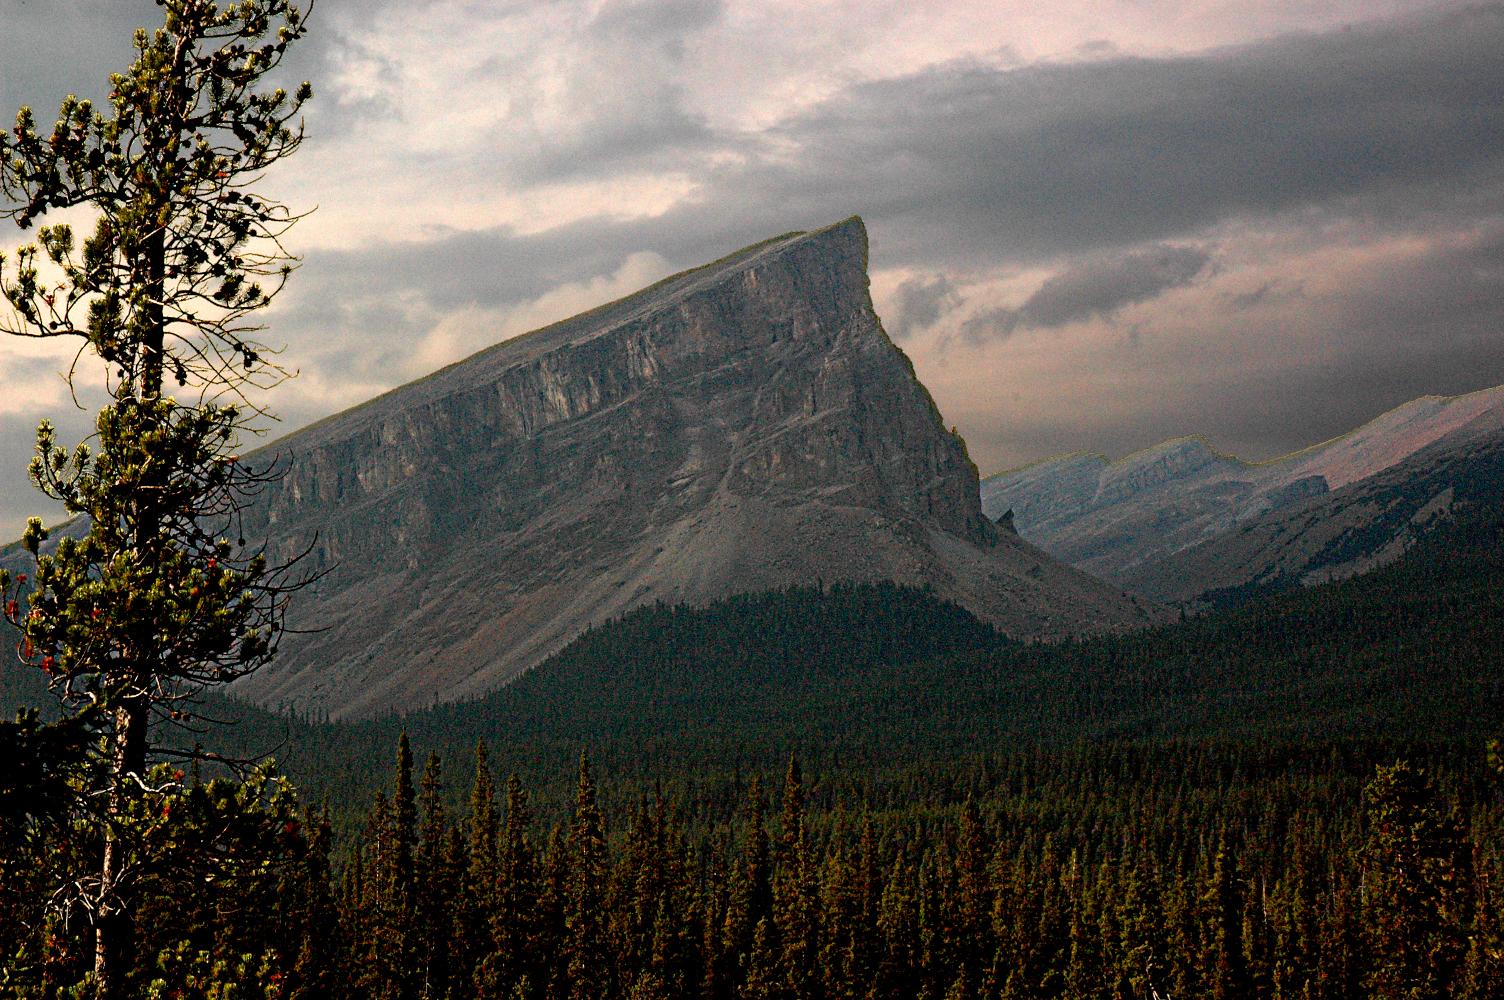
point(162, 597)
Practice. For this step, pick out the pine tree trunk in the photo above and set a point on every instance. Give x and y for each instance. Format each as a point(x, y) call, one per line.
point(116, 921)
point(115, 924)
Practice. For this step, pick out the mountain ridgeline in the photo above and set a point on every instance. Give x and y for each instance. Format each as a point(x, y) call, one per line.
point(735, 428)
point(1181, 521)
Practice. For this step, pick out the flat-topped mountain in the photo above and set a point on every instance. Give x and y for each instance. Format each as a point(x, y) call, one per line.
point(744, 426)
point(1165, 521)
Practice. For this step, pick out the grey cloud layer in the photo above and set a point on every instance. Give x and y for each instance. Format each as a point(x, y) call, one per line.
point(1095, 288)
point(1016, 164)
point(1087, 168)
point(965, 163)
point(919, 302)
point(1113, 174)
point(1038, 161)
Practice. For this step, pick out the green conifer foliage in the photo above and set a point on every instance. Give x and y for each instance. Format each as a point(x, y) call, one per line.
point(470, 932)
point(435, 883)
point(161, 598)
point(585, 955)
point(1416, 883)
point(1223, 962)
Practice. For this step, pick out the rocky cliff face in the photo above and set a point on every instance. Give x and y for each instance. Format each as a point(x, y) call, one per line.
point(742, 426)
point(1178, 519)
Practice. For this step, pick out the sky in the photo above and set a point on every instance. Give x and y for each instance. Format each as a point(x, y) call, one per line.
point(1095, 224)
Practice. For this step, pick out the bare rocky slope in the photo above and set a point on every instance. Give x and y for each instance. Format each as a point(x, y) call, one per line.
point(744, 426)
point(1366, 524)
point(1180, 519)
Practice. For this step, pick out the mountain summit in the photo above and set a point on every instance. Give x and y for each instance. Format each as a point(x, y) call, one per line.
point(743, 426)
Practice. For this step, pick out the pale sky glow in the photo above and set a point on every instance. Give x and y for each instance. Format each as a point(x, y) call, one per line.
point(1094, 224)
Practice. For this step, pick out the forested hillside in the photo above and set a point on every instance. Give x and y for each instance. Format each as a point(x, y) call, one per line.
point(1287, 799)
point(875, 679)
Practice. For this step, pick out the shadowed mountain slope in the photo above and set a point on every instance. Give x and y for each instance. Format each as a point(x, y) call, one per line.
point(1365, 524)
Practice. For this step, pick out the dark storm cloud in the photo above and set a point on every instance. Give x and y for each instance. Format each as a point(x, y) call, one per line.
point(918, 303)
point(1102, 287)
point(655, 23)
point(653, 135)
point(49, 50)
point(1094, 288)
point(1423, 323)
point(964, 165)
point(1020, 164)
point(1442, 311)
point(1266, 292)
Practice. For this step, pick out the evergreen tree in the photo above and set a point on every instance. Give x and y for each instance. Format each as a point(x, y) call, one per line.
point(1416, 879)
point(436, 883)
point(471, 929)
point(156, 602)
point(751, 899)
point(1223, 961)
point(796, 895)
point(586, 958)
point(320, 971)
point(515, 931)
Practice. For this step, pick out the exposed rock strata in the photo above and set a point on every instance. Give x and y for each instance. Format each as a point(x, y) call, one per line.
point(1365, 524)
point(743, 426)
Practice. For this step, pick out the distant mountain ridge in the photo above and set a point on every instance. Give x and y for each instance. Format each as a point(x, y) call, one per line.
point(1136, 521)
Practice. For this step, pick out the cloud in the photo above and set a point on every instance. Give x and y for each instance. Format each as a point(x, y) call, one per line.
point(1353, 325)
point(918, 302)
point(1096, 287)
point(1101, 288)
point(50, 50)
point(1029, 199)
point(18, 498)
point(1038, 180)
point(1021, 164)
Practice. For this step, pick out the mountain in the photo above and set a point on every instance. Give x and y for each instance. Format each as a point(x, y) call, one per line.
point(743, 426)
point(869, 678)
point(1163, 521)
point(1365, 524)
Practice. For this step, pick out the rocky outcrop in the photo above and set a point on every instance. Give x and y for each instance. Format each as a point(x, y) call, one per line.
point(742, 426)
point(1178, 519)
point(1182, 460)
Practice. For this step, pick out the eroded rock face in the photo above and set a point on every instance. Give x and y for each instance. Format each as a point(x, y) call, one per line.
point(743, 426)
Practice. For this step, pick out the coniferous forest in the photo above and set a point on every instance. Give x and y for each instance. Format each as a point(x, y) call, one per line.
point(862, 792)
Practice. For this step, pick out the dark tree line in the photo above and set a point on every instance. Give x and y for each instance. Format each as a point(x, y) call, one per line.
point(1192, 811)
point(1050, 883)
point(1106, 875)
